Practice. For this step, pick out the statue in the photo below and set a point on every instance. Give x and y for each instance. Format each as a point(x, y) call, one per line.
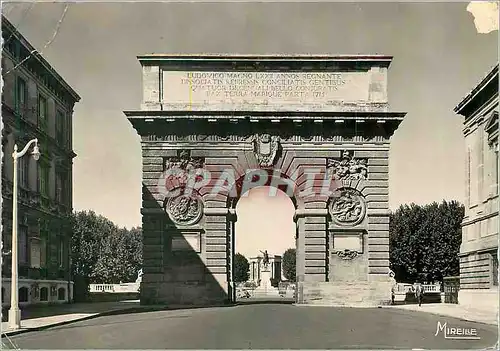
point(139, 276)
point(265, 260)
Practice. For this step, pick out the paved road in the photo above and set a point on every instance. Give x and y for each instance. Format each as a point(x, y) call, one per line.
point(261, 326)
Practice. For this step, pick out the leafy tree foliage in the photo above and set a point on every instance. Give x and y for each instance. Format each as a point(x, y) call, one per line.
point(289, 264)
point(103, 253)
point(241, 268)
point(425, 241)
point(120, 257)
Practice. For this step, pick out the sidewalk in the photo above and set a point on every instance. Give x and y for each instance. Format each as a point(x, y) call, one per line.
point(40, 317)
point(455, 311)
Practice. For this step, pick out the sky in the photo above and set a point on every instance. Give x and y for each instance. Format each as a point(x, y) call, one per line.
point(439, 56)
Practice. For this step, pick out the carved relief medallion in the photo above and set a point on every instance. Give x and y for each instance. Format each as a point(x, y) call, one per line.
point(185, 209)
point(347, 207)
point(347, 167)
point(266, 149)
point(347, 254)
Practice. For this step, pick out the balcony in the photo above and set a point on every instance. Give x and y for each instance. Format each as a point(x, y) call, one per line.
point(33, 199)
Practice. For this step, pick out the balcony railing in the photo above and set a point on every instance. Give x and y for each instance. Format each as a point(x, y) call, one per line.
point(402, 288)
point(33, 199)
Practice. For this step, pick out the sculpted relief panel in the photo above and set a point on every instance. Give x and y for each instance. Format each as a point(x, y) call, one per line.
point(348, 167)
point(182, 208)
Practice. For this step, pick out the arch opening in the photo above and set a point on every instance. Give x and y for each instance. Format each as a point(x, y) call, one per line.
point(264, 233)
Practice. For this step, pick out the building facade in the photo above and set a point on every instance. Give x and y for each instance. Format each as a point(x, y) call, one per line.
point(479, 248)
point(36, 103)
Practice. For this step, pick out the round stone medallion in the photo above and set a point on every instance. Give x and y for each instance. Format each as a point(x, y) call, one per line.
point(347, 207)
point(184, 209)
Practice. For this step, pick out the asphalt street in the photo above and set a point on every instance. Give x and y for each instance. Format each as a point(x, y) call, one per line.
point(260, 326)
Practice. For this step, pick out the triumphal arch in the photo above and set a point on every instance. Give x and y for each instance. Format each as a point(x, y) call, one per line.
point(316, 127)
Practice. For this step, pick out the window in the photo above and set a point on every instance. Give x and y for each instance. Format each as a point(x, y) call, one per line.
point(23, 171)
point(62, 187)
point(60, 253)
point(480, 166)
point(44, 294)
point(60, 135)
point(23, 294)
point(43, 179)
point(495, 173)
point(42, 112)
point(67, 130)
point(468, 162)
point(61, 294)
point(23, 244)
point(35, 253)
point(494, 263)
point(43, 248)
point(20, 96)
point(58, 187)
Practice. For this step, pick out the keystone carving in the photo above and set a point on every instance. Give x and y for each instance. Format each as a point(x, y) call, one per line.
point(347, 168)
point(347, 207)
point(347, 254)
point(265, 149)
point(185, 209)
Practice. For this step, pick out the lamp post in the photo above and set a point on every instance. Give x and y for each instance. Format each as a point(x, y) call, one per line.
point(14, 311)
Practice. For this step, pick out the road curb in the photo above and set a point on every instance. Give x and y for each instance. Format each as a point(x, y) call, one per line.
point(57, 324)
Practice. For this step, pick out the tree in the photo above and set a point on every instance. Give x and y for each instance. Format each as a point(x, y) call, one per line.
point(89, 232)
point(103, 253)
point(425, 241)
point(289, 264)
point(120, 257)
point(241, 268)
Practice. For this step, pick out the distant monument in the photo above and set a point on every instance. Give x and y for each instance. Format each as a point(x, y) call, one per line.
point(265, 260)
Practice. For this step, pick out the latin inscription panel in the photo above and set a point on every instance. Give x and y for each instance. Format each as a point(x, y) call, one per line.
point(352, 242)
point(186, 242)
point(234, 90)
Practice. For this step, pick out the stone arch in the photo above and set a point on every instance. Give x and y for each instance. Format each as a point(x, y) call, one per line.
point(316, 129)
point(277, 180)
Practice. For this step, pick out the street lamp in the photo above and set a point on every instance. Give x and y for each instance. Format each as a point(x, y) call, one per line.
point(14, 311)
